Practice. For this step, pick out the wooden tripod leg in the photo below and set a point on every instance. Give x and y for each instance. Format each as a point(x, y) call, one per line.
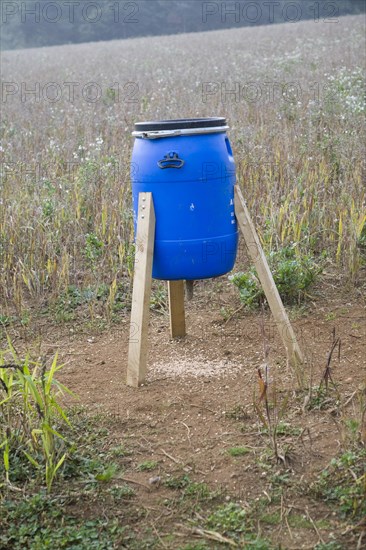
point(176, 308)
point(259, 259)
point(137, 351)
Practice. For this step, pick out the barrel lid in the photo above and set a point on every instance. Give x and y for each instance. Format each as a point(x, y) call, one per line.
point(180, 124)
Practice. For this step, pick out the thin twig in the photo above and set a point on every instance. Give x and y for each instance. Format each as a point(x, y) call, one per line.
point(327, 376)
point(157, 534)
point(212, 535)
point(359, 542)
point(135, 482)
point(171, 457)
point(349, 400)
point(234, 313)
point(202, 407)
point(313, 524)
point(189, 432)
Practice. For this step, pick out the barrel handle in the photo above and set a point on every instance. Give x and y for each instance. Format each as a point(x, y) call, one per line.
point(171, 160)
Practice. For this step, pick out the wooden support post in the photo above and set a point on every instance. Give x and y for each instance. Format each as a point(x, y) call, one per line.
point(258, 257)
point(176, 308)
point(137, 351)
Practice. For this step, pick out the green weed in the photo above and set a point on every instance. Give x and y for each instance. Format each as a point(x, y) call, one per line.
point(158, 299)
point(39, 522)
point(29, 410)
point(199, 491)
point(271, 519)
point(120, 451)
point(238, 451)
point(107, 474)
point(147, 466)
point(293, 272)
point(331, 316)
point(122, 492)
point(174, 482)
point(343, 483)
point(284, 429)
point(229, 519)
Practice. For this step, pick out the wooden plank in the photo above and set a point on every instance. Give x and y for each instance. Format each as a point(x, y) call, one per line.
point(176, 308)
point(259, 259)
point(137, 351)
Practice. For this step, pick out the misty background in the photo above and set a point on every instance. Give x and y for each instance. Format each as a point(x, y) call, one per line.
point(29, 23)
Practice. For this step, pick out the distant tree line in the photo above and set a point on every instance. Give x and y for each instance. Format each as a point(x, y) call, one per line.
point(34, 23)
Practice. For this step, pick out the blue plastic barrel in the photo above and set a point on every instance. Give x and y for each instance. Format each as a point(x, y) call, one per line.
point(189, 168)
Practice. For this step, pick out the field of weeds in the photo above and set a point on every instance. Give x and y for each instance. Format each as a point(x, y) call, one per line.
point(295, 104)
point(221, 448)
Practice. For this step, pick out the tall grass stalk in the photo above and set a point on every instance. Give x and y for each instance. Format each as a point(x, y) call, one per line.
point(29, 414)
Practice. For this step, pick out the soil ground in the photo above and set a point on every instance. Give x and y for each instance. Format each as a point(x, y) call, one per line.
point(197, 404)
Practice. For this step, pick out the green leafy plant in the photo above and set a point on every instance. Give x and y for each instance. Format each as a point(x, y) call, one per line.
point(292, 272)
point(39, 521)
point(93, 248)
point(343, 482)
point(107, 474)
point(174, 482)
point(362, 238)
point(238, 451)
point(29, 410)
point(158, 300)
point(197, 490)
point(122, 492)
point(147, 465)
point(5, 320)
point(284, 429)
point(229, 519)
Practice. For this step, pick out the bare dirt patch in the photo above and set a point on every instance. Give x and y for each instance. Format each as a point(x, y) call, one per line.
point(197, 405)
